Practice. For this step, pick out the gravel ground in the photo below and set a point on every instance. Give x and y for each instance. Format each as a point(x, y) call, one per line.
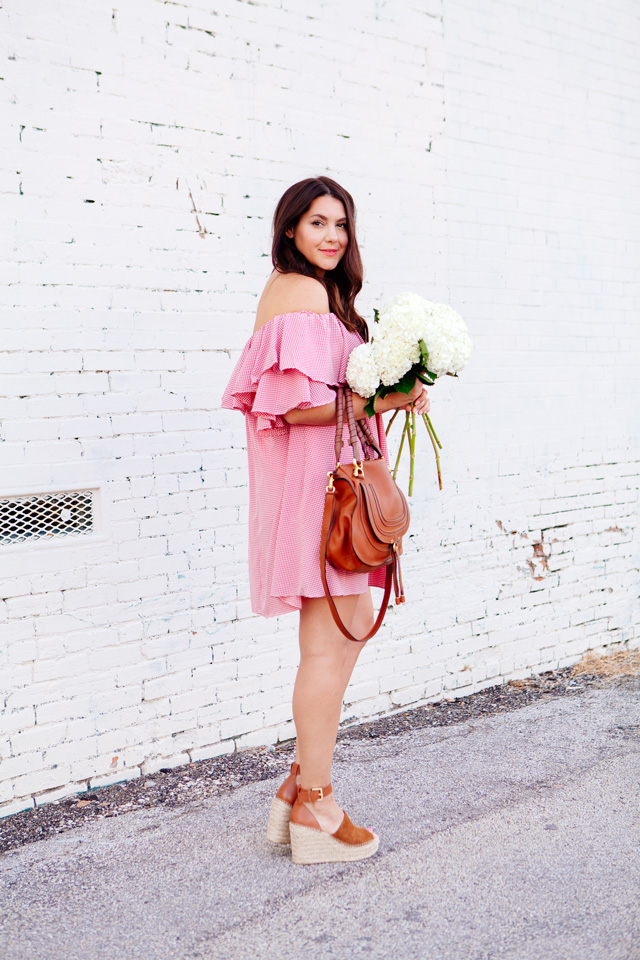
point(205, 778)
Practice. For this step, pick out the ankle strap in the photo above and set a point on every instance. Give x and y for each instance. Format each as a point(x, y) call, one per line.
point(295, 769)
point(313, 794)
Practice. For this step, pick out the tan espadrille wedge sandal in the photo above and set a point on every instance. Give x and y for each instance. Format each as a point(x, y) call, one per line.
point(280, 812)
point(310, 844)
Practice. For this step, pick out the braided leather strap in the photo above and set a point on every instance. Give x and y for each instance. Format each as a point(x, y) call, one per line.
point(339, 422)
point(353, 432)
point(362, 429)
point(363, 425)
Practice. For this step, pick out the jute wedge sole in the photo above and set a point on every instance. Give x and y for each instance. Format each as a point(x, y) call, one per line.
point(309, 845)
point(279, 815)
point(280, 812)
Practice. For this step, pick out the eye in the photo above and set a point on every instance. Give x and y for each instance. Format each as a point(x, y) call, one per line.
point(343, 225)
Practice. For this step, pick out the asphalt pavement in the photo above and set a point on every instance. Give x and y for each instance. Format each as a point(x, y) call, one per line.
point(508, 837)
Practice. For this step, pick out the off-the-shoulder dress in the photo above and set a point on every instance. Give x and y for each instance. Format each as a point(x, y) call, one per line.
point(291, 362)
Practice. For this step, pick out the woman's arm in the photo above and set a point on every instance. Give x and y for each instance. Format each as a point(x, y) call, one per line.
point(319, 416)
point(294, 289)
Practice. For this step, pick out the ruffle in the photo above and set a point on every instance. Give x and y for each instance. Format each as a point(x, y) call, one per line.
point(289, 363)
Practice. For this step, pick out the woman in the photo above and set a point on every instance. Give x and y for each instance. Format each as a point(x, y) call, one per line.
point(306, 327)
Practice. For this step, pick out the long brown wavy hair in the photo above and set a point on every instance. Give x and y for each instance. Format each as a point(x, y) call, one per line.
point(344, 282)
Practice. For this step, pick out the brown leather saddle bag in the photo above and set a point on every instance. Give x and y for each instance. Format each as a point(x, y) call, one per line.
point(365, 514)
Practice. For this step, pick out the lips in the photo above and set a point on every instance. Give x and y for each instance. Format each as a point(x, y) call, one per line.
point(329, 253)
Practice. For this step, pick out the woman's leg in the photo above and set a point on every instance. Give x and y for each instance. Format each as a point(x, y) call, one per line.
point(363, 620)
point(327, 659)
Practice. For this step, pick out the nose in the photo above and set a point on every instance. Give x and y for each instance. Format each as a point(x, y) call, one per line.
point(331, 233)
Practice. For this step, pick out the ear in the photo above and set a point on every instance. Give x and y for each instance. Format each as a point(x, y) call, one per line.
point(289, 233)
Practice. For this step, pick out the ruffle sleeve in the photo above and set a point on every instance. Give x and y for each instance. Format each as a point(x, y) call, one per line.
point(289, 363)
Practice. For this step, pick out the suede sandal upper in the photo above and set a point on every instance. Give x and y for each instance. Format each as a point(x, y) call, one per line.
point(288, 790)
point(347, 832)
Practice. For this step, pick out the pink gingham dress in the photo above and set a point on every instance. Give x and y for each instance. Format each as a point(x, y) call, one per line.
point(289, 363)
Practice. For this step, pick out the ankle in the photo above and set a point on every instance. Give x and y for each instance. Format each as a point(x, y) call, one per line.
point(324, 805)
point(314, 794)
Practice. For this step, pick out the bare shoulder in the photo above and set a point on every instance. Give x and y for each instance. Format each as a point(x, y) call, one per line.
point(290, 293)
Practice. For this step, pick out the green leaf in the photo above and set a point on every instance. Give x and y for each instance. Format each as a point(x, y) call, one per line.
point(382, 391)
point(376, 315)
point(406, 384)
point(369, 410)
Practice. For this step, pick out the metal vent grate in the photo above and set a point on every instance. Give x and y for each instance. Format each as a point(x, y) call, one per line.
point(46, 516)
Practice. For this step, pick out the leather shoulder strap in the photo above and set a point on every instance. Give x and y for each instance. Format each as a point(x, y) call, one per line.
point(327, 521)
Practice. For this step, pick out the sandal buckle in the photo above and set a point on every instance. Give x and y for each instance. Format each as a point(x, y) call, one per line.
point(317, 790)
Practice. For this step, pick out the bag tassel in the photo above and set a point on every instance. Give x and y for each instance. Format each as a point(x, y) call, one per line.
point(397, 579)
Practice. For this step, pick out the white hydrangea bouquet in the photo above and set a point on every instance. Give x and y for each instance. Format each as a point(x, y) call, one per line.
point(412, 338)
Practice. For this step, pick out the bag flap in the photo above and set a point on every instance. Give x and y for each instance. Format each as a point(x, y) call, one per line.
point(387, 506)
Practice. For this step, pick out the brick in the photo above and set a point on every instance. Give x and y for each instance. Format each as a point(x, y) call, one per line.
point(38, 781)
point(166, 686)
point(23, 653)
point(17, 631)
point(80, 383)
point(215, 749)
point(16, 806)
point(239, 725)
point(257, 738)
point(150, 587)
point(34, 429)
point(154, 764)
point(21, 385)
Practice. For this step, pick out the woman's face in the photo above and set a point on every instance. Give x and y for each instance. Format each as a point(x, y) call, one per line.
point(321, 233)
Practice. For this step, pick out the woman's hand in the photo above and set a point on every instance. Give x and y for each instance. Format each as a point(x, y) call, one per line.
point(418, 399)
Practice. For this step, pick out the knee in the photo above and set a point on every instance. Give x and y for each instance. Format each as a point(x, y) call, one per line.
point(322, 662)
point(361, 624)
point(355, 648)
point(363, 616)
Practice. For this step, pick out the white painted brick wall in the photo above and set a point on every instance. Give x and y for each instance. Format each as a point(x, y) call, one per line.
point(491, 150)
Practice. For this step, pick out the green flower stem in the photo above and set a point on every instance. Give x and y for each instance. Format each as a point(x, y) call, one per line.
point(391, 422)
point(404, 433)
point(412, 447)
point(430, 428)
point(433, 438)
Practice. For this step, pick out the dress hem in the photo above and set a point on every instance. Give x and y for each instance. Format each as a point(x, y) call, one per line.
point(293, 604)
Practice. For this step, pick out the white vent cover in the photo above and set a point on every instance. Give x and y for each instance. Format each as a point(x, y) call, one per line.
point(46, 516)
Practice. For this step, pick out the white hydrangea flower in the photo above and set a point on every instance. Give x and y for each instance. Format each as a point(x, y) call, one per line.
point(394, 356)
point(447, 340)
point(403, 318)
point(362, 370)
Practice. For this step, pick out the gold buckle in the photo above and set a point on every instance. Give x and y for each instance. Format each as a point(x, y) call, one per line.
point(317, 790)
point(330, 488)
point(357, 467)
